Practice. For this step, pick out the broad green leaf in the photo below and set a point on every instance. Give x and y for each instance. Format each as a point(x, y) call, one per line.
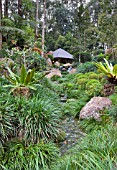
point(29, 77)
point(115, 70)
point(11, 73)
point(109, 75)
point(23, 74)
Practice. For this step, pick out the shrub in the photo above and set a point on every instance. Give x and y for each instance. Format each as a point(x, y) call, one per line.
point(93, 87)
point(35, 60)
point(93, 76)
point(82, 83)
point(99, 57)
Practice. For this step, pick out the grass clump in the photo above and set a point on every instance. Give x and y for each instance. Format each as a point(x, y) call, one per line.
point(38, 156)
point(96, 151)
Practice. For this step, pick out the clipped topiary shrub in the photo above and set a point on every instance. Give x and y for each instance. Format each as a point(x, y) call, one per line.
point(82, 83)
point(93, 87)
point(93, 76)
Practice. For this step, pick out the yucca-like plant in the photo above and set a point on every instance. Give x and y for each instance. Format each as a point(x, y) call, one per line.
point(25, 79)
point(21, 84)
point(109, 70)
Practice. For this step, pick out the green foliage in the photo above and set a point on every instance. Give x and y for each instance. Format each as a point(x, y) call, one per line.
point(113, 98)
point(6, 124)
point(109, 70)
point(55, 78)
point(81, 80)
point(99, 58)
point(73, 106)
point(38, 119)
point(34, 60)
point(82, 83)
point(25, 79)
point(86, 67)
point(93, 76)
point(113, 112)
point(93, 87)
point(84, 57)
point(8, 120)
point(96, 151)
point(36, 156)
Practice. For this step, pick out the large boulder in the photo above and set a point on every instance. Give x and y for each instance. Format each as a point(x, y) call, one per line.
point(49, 62)
point(54, 72)
point(72, 71)
point(6, 62)
point(93, 107)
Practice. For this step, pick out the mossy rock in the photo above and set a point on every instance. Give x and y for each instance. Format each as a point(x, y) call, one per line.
point(61, 136)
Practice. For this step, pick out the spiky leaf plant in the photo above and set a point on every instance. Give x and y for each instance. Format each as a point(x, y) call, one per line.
point(109, 70)
point(39, 118)
point(8, 120)
point(25, 79)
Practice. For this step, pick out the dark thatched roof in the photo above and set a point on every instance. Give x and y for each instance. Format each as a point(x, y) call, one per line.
point(60, 53)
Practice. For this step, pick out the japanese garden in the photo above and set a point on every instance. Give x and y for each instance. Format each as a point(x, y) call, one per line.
point(58, 85)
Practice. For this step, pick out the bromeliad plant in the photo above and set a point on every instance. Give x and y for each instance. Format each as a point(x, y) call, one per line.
point(109, 70)
point(20, 84)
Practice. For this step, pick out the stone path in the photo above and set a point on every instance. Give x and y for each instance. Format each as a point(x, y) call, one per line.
point(73, 134)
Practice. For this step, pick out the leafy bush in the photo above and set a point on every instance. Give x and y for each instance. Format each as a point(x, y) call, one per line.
point(93, 87)
point(86, 67)
point(82, 83)
point(34, 60)
point(38, 156)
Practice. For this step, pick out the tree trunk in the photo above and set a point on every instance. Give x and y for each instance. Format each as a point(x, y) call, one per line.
point(0, 24)
point(43, 27)
point(19, 8)
point(6, 8)
point(37, 18)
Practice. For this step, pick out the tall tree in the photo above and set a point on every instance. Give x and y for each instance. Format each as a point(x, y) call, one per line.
point(6, 8)
point(0, 24)
point(37, 18)
point(20, 8)
point(43, 27)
